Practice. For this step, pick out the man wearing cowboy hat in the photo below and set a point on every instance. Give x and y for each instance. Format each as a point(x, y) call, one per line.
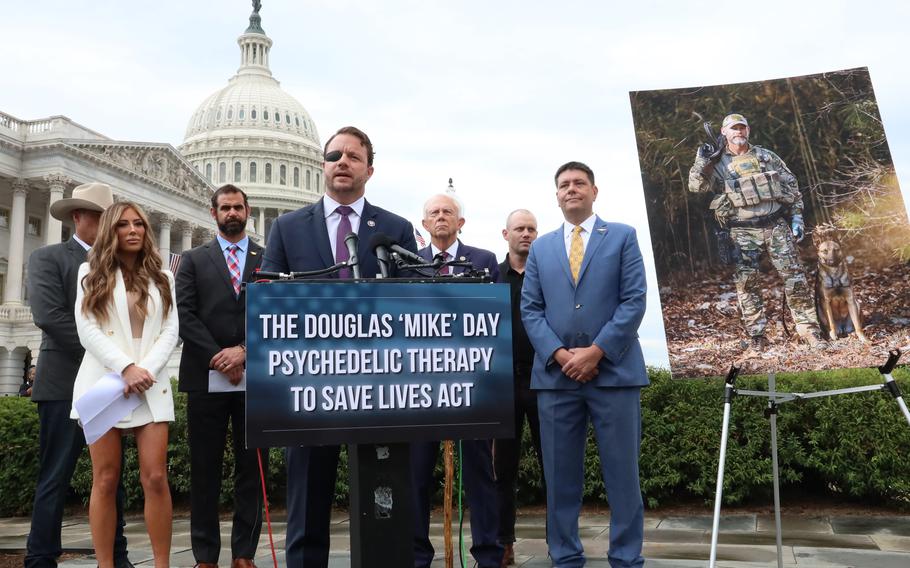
point(51, 270)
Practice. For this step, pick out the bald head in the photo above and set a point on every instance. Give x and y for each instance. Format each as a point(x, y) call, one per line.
point(520, 232)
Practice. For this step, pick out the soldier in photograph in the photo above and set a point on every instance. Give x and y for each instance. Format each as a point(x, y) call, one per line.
point(758, 199)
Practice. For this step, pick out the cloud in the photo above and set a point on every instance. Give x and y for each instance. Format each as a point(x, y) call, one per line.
point(495, 95)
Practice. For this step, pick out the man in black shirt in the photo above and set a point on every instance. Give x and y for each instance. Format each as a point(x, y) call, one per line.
point(520, 232)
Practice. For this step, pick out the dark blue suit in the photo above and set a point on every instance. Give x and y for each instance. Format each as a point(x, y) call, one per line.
point(605, 308)
point(299, 241)
point(477, 466)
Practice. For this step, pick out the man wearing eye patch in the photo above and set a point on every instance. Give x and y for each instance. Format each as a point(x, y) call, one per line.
point(312, 238)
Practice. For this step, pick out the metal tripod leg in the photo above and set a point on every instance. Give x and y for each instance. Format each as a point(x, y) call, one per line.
point(892, 386)
point(890, 383)
point(772, 411)
point(729, 391)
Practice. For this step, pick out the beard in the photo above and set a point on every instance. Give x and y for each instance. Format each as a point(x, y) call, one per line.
point(739, 141)
point(232, 228)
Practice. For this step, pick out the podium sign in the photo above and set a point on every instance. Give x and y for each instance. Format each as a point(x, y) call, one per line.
point(333, 362)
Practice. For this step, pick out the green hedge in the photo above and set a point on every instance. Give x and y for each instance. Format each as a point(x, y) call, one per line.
point(853, 445)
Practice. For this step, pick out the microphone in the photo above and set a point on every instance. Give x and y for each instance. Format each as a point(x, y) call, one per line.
point(379, 244)
point(407, 255)
point(350, 241)
point(398, 250)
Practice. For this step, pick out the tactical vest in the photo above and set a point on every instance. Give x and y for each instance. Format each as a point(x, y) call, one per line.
point(751, 188)
point(746, 183)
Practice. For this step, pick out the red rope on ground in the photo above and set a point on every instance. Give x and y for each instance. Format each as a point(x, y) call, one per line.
point(265, 501)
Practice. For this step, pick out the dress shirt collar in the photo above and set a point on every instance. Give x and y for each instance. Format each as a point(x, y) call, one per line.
point(587, 225)
point(82, 243)
point(242, 244)
point(329, 205)
point(452, 250)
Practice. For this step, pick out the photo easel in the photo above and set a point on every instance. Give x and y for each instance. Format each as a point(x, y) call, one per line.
point(775, 399)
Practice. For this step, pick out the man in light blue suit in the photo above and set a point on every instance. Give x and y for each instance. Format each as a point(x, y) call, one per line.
point(582, 302)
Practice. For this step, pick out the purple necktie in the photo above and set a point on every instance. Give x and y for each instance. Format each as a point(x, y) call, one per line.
point(344, 229)
point(443, 256)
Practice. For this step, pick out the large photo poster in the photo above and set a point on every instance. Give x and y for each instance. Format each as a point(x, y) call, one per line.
point(780, 236)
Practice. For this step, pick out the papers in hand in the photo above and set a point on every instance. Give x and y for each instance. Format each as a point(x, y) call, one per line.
point(219, 382)
point(103, 406)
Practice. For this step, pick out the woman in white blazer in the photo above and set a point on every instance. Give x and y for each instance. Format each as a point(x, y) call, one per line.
point(126, 316)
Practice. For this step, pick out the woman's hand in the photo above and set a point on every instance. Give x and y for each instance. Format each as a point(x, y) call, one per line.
point(137, 380)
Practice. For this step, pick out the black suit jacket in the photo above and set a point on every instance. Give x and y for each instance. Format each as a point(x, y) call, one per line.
point(211, 318)
point(478, 257)
point(299, 240)
point(52, 272)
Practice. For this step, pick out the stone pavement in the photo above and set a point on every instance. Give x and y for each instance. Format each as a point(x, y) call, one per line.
point(746, 540)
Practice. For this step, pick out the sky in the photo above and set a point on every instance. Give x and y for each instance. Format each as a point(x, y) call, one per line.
point(495, 95)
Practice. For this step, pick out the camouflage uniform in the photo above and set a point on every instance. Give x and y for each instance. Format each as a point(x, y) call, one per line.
point(756, 196)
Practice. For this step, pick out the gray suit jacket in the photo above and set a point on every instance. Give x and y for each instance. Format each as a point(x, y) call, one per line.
point(52, 274)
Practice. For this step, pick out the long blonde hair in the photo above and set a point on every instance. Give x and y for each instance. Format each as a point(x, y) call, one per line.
point(103, 263)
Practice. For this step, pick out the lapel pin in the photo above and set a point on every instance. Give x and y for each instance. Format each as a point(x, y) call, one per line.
point(462, 259)
point(371, 223)
point(253, 253)
point(602, 230)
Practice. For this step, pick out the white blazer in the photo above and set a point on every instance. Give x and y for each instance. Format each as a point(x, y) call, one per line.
point(109, 344)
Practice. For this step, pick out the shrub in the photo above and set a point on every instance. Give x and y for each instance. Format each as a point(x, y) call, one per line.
point(853, 445)
point(19, 448)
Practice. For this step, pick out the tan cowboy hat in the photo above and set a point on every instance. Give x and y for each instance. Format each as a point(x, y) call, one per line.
point(91, 196)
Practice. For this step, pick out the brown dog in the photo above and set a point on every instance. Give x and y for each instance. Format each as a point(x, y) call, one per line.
point(838, 309)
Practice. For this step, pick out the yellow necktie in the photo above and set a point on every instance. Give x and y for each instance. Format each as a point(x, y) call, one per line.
point(576, 252)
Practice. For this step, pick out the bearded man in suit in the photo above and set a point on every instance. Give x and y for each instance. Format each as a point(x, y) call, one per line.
point(211, 302)
point(582, 302)
point(312, 238)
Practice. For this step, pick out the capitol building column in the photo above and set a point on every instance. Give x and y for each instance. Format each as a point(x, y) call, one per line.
point(164, 238)
point(187, 237)
point(12, 289)
point(57, 183)
point(260, 225)
point(12, 365)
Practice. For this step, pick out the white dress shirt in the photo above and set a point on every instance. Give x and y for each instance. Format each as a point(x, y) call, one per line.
point(333, 218)
point(586, 227)
point(84, 244)
point(452, 250)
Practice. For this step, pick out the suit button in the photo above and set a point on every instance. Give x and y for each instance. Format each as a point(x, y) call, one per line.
point(577, 306)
